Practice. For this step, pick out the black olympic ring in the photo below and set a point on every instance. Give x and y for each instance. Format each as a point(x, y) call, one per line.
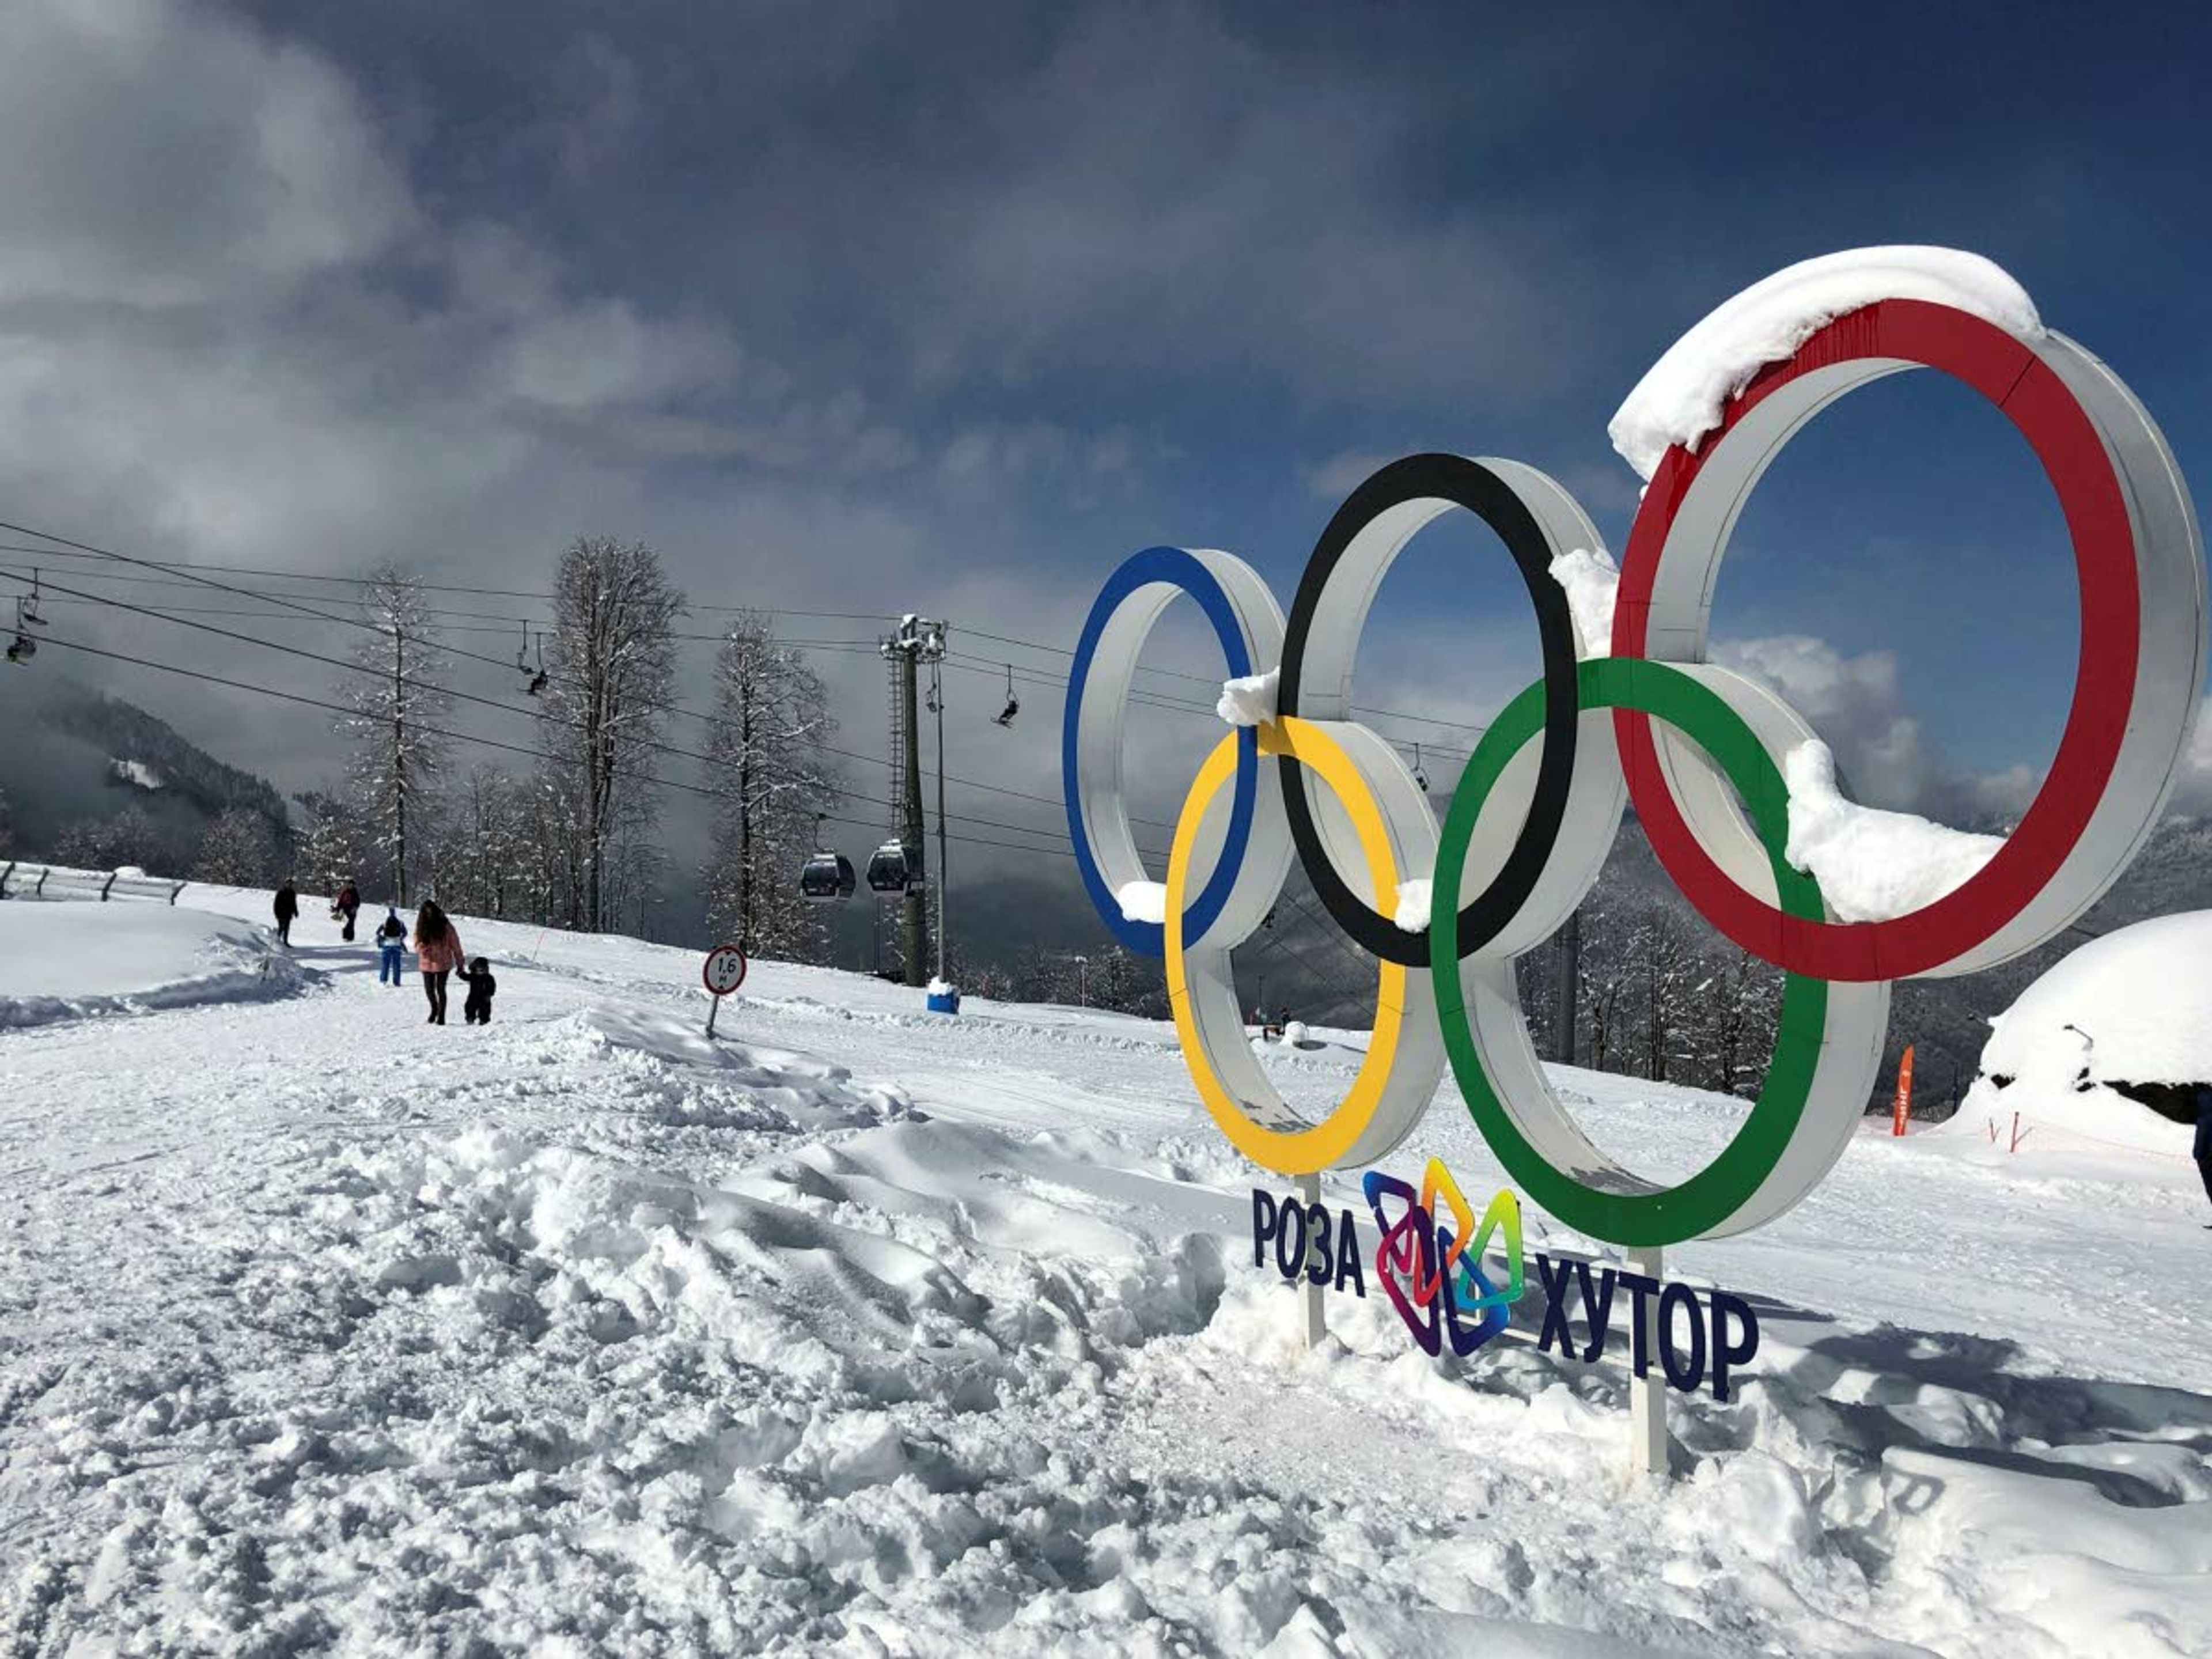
point(1459, 482)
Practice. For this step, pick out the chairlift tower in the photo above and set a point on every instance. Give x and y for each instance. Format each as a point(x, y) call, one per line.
point(918, 641)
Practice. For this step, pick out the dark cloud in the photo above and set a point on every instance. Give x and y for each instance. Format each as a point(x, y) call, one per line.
point(885, 307)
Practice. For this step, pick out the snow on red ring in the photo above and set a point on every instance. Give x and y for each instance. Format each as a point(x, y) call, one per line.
point(2028, 392)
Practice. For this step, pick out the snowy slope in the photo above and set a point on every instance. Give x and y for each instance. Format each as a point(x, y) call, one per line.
point(75, 961)
point(863, 1331)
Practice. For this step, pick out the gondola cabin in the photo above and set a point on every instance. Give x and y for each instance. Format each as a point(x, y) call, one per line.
point(827, 877)
point(892, 869)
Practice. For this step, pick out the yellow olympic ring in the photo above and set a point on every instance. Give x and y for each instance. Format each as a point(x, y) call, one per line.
point(1318, 1146)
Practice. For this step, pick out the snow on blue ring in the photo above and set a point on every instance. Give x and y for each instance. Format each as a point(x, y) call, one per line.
point(1175, 568)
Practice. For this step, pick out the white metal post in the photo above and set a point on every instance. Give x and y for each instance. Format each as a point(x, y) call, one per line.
point(1647, 1394)
point(1313, 1323)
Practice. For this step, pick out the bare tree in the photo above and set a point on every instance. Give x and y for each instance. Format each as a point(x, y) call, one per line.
point(610, 669)
point(485, 869)
point(399, 760)
point(127, 839)
point(770, 770)
point(238, 850)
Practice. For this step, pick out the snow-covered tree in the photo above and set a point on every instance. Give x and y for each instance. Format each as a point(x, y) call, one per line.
point(610, 669)
point(773, 776)
point(238, 850)
point(336, 847)
point(484, 863)
point(398, 764)
point(128, 838)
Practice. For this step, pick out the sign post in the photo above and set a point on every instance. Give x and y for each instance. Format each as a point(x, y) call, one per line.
point(1903, 1110)
point(724, 973)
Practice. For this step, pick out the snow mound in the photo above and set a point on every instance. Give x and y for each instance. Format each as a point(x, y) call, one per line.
point(1872, 864)
point(1250, 701)
point(1143, 901)
point(1593, 581)
point(2128, 1009)
point(674, 1074)
point(78, 961)
point(1414, 899)
point(1682, 395)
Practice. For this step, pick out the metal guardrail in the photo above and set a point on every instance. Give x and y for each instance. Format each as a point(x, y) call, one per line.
point(23, 880)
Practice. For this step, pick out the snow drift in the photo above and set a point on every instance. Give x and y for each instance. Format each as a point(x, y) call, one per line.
point(77, 961)
point(2122, 1020)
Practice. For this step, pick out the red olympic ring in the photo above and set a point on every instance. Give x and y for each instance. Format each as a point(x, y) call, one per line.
point(2032, 396)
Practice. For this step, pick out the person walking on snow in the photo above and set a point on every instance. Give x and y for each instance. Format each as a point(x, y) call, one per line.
point(287, 907)
point(476, 1010)
point(391, 943)
point(437, 953)
point(346, 905)
point(2204, 1145)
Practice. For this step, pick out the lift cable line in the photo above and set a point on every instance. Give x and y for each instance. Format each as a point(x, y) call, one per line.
point(475, 740)
point(464, 697)
point(182, 621)
point(183, 568)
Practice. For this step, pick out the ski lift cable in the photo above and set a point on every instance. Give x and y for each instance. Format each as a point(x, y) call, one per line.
point(451, 650)
point(67, 549)
point(487, 742)
point(488, 702)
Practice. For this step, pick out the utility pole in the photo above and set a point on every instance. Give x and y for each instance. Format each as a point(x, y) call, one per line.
point(399, 760)
point(1571, 970)
point(917, 640)
point(943, 864)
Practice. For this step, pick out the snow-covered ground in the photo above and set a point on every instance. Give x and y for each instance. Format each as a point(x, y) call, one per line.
point(865, 1331)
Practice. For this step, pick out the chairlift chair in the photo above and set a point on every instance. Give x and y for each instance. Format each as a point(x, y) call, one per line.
point(537, 685)
point(1006, 716)
point(890, 869)
point(26, 609)
point(1420, 778)
point(23, 647)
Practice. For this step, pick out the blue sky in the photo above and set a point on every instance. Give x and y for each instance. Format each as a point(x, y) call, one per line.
point(949, 308)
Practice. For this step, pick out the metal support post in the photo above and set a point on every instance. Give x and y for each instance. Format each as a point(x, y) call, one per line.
point(1647, 1394)
point(1313, 1323)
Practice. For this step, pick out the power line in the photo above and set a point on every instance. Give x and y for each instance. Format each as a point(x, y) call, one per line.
point(482, 742)
point(178, 619)
point(430, 686)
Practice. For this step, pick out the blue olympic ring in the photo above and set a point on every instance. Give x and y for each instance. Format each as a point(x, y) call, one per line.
point(1177, 569)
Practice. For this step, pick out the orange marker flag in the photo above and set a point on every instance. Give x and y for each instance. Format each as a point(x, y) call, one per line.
point(1903, 1108)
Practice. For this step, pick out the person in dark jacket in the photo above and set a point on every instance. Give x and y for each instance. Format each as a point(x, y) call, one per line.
point(476, 1010)
point(288, 906)
point(2203, 1147)
point(392, 945)
point(344, 907)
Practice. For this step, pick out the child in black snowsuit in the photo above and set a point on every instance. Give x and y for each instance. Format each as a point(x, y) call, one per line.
point(476, 1010)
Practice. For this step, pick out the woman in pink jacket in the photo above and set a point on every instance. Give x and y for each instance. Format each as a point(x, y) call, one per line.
point(438, 950)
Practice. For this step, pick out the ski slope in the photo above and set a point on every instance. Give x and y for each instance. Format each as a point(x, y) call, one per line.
point(863, 1331)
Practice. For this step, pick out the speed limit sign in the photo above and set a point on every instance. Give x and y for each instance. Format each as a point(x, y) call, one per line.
point(724, 973)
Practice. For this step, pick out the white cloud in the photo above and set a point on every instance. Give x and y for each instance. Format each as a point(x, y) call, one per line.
point(1334, 479)
point(157, 155)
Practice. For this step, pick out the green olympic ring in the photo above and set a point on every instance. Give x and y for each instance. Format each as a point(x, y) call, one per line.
point(1704, 1203)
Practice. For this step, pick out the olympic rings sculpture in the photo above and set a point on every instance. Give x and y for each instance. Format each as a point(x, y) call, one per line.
point(1698, 747)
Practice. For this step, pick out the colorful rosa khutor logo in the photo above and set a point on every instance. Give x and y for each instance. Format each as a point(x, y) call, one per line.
point(1432, 1274)
point(1638, 715)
